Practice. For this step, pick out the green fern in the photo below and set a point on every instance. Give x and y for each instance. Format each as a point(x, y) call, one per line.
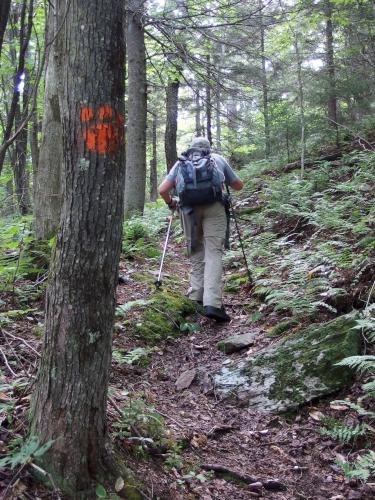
point(344, 433)
point(362, 468)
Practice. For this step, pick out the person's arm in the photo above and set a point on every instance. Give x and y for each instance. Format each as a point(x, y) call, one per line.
point(164, 189)
point(231, 178)
point(237, 185)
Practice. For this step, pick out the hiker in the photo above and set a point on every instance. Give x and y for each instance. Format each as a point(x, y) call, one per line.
point(198, 179)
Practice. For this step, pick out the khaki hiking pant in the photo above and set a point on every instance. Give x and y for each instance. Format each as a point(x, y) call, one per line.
point(206, 258)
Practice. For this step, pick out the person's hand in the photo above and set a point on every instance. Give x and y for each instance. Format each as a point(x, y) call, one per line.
point(173, 204)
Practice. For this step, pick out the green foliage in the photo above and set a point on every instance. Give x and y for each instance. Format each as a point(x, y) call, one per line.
point(344, 433)
point(140, 233)
point(26, 452)
point(362, 468)
point(137, 356)
point(140, 419)
point(21, 256)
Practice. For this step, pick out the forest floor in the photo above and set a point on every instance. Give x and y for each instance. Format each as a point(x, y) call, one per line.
point(288, 450)
point(204, 447)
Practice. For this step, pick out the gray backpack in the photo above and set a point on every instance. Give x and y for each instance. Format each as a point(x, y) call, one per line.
point(199, 181)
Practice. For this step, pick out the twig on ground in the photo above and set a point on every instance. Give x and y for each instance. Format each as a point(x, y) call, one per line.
point(7, 364)
point(21, 340)
point(268, 484)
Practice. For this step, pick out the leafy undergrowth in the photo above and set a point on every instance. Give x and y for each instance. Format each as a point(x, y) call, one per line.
point(311, 245)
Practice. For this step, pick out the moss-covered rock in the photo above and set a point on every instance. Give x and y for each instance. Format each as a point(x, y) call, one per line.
point(161, 317)
point(283, 327)
point(296, 370)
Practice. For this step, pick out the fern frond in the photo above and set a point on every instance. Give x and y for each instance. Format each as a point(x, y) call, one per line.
point(359, 363)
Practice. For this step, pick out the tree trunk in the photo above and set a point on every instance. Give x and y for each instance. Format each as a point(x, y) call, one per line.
point(208, 102)
point(267, 149)
point(154, 163)
point(69, 404)
point(198, 121)
point(135, 183)
point(48, 177)
point(34, 147)
point(21, 178)
point(4, 14)
point(301, 99)
point(331, 70)
point(171, 124)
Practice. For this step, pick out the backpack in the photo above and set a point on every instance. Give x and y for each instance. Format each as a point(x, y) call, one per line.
point(198, 181)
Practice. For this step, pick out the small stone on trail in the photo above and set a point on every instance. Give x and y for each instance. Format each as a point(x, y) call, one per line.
point(237, 342)
point(185, 379)
point(255, 486)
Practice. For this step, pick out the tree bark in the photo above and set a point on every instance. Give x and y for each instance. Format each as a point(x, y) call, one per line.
point(69, 403)
point(154, 162)
point(48, 177)
point(331, 70)
point(171, 123)
point(4, 15)
point(135, 183)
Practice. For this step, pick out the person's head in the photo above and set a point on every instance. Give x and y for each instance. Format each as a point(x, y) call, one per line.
point(200, 143)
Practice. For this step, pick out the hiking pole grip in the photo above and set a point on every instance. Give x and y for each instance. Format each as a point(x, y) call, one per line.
point(250, 278)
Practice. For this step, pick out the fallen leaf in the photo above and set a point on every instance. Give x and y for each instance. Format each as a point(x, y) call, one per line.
point(198, 440)
point(120, 483)
point(185, 379)
point(316, 415)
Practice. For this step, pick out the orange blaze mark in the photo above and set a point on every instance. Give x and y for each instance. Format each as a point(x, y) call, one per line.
point(104, 129)
point(87, 114)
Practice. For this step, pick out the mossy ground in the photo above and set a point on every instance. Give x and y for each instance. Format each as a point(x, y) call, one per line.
point(161, 318)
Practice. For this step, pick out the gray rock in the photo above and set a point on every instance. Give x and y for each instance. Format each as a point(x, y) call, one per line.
point(237, 342)
point(295, 370)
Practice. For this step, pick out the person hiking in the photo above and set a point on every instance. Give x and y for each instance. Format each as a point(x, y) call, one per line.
point(198, 179)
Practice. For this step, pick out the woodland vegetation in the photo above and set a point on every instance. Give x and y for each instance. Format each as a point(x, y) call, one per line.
point(109, 389)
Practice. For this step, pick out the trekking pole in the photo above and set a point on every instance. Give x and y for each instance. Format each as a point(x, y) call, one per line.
point(250, 278)
point(158, 282)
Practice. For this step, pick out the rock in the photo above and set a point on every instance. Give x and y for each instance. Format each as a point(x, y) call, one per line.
point(185, 379)
point(237, 342)
point(296, 370)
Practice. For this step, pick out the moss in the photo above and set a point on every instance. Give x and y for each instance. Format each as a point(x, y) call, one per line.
point(233, 282)
point(295, 370)
point(282, 327)
point(306, 360)
point(161, 318)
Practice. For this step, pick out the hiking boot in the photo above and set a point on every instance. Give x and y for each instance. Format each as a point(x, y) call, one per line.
point(216, 313)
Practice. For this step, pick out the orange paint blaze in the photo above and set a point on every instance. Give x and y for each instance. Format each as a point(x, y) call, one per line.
point(104, 129)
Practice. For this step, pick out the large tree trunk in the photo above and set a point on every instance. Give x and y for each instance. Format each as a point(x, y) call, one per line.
point(135, 183)
point(69, 404)
point(331, 70)
point(48, 176)
point(171, 124)
point(154, 162)
point(4, 14)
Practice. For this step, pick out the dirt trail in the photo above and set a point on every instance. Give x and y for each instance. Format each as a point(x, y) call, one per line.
point(220, 432)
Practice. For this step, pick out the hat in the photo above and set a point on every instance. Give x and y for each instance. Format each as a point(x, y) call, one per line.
point(200, 143)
